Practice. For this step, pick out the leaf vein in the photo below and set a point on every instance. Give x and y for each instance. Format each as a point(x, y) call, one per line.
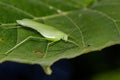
point(81, 33)
point(110, 18)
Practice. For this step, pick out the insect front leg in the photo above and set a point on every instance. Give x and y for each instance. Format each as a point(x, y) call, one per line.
point(47, 49)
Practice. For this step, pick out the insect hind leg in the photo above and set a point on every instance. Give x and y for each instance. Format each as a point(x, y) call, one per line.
point(17, 45)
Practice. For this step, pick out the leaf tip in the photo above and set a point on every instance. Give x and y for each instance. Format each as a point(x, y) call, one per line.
point(47, 70)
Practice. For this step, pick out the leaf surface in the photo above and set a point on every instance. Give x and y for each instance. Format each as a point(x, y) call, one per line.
point(92, 24)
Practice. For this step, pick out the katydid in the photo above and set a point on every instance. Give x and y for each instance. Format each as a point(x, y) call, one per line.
point(48, 32)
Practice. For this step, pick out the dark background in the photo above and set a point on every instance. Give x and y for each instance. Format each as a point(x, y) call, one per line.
point(83, 67)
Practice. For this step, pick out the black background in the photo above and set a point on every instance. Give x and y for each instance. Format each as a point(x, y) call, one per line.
point(83, 67)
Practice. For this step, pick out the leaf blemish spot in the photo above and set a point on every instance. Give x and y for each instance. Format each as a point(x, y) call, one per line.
point(1, 39)
point(38, 52)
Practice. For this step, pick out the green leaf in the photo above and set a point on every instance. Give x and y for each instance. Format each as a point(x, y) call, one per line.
point(92, 24)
